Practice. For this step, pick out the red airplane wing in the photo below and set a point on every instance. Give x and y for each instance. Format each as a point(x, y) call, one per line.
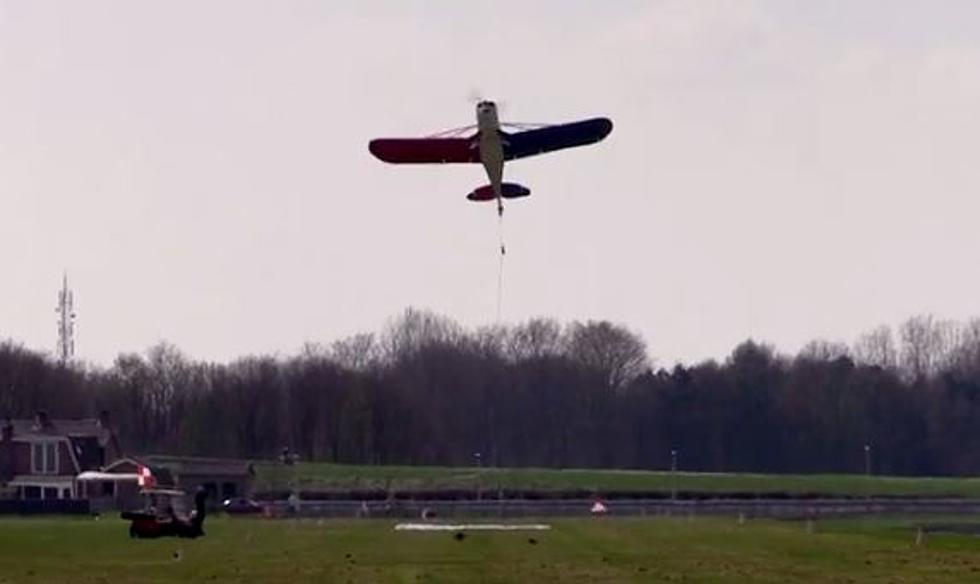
point(551, 138)
point(424, 150)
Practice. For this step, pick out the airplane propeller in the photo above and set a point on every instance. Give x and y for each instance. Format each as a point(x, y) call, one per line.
point(475, 96)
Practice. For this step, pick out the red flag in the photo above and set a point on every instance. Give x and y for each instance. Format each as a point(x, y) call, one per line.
point(145, 477)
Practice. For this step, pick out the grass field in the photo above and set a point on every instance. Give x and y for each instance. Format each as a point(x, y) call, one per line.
point(319, 476)
point(577, 550)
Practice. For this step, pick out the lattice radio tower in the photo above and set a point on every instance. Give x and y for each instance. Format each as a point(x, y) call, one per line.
point(66, 322)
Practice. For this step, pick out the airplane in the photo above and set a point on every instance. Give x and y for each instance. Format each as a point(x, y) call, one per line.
point(492, 147)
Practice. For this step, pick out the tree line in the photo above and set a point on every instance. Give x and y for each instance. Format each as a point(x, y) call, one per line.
point(426, 390)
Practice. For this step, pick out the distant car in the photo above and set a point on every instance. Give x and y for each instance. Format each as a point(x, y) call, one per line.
point(241, 505)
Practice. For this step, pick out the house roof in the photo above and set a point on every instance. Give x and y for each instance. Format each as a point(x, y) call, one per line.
point(85, 437)
point(41, 480)
point(128, 464)
point(195, 466)
point(80, 428)
point(87, 451)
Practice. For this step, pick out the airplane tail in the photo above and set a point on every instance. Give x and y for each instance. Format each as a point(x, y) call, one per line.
point(507, 191)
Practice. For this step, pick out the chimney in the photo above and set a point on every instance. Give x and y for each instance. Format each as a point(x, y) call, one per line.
point(41, 420)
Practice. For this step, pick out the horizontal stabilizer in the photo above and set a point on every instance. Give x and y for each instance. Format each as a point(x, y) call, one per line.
point(507, 191)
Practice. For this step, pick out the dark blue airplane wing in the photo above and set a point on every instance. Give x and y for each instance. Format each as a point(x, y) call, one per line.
point(550, 138)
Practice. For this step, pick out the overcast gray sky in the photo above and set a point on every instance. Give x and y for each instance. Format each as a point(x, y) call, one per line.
point(783, 170)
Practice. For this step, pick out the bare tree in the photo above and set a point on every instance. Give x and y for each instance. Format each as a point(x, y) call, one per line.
point(414, 330)
point(821, 350)
point(928, 345)
point(918, 346)
point(538, 337)
point(616, 353)
point(949, 341)
point(967, 354)
point(877, 348)
point(489, 341)
point(357, 353)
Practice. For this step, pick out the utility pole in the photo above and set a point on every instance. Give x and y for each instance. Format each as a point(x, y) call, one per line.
point(66, 322)
point(673, 474)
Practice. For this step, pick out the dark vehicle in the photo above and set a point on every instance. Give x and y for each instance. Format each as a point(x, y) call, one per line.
point(149, 524)
point(241, 505)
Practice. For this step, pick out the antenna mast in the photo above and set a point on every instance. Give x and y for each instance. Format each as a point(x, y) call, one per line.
point(66, 322)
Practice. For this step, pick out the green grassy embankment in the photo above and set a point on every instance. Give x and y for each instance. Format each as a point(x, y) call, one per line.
point(326, 477)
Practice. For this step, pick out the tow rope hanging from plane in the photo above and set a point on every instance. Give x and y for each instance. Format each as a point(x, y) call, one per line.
point(500, 270)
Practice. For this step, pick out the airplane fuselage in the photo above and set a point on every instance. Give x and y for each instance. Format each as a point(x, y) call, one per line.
point(491, 147)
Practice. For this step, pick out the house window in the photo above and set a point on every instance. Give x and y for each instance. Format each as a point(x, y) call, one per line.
point(44, 458)
point(50, 493)
point(51, 458)
point(32, 492)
